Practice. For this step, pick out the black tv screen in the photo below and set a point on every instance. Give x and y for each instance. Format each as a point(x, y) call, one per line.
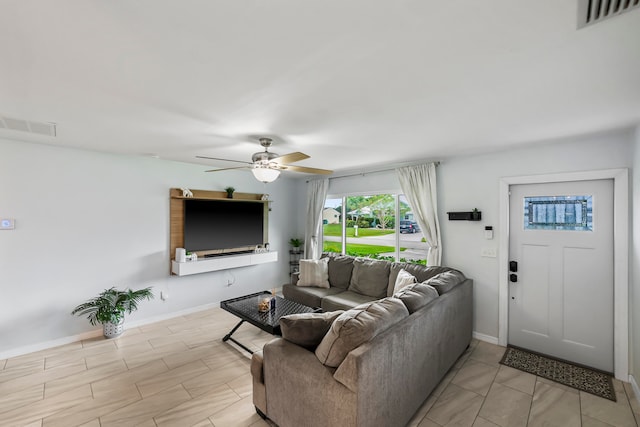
point(222, 224)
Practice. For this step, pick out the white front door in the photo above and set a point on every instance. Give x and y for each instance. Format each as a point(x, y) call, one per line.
point(561, 294)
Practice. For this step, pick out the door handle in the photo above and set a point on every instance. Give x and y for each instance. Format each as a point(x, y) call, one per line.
point(513, 278)
point(513, 266)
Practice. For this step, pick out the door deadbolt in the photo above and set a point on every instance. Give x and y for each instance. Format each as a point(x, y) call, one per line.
point(513, 266)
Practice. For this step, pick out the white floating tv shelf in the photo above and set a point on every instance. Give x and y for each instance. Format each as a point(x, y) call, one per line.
point(205, 265)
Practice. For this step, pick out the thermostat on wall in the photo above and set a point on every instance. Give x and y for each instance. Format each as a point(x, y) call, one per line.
point(7, 224)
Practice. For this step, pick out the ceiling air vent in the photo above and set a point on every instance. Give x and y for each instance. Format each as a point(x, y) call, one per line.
point(48, 129)
point(592, 11)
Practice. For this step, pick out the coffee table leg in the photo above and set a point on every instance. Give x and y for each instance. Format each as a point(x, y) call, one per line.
point(235, 328)
point(228, 337)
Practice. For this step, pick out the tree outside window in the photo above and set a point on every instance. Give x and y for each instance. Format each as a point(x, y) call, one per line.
point(367, 226)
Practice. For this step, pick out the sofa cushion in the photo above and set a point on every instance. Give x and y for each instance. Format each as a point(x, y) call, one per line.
point(357, 326)
point(370, 277)
point(446, 281)
point(311, 297)
point(307, 329)
point(416, 296)
point(314, 272)
point(344, 300)
point(421, 272)
point(404, 279)
point(340, 269)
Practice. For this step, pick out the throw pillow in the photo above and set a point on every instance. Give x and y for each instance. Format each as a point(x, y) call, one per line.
point(370, 277)
point(404, 279)
point(421, 272)
point(446, 281)
point(416, 296)
point(340, 269)
point(307, 329)
point(314, 272)
point(357, 326)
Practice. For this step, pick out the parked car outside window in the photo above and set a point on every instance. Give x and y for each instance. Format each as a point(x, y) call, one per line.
point(409, 227)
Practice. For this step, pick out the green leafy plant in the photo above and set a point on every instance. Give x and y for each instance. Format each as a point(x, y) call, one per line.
point(111, 305)
point(296, 243)
point(229, 191)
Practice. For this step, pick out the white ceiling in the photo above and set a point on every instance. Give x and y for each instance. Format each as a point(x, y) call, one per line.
point(351, 83)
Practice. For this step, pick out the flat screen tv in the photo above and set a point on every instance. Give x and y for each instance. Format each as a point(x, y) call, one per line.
point(223, 225)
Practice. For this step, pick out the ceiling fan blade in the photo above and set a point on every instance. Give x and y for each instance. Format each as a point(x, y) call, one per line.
point(224, 160)
point(308, 170)
point(291, 158)
point(228, 169)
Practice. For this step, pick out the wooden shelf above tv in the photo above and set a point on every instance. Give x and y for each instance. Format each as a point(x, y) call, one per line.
point(176, 216)
point(176, 193)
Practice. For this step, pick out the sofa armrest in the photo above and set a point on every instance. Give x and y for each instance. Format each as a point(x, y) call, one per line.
point(257, 373)
point(294, 374)
point(257, 361)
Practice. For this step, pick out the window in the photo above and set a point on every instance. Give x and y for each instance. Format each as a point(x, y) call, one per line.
point(558, 213)
point(368, 226)
point(332, 226)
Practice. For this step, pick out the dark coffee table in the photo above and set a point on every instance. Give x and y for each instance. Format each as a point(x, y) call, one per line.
point(246, 308)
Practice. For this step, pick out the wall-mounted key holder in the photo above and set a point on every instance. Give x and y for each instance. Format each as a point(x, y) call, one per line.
point(474, 215)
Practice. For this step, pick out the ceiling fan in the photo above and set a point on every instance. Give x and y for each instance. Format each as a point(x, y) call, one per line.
point(266, 165)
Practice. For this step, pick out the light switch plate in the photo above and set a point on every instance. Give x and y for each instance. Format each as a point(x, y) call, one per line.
point(7, 224)
point(489, 252)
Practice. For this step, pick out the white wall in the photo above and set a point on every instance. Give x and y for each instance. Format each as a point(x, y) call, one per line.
point(634, 294)
point(86, 221)
point(471, 182)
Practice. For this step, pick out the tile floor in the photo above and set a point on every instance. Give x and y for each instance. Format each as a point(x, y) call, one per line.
point(179, 373)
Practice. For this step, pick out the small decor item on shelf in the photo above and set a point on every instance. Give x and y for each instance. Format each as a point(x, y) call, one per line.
point(109, 307)
point(191, 256)
point(181, 255)
point(295, 244)
point(186, 192)
point(229, 191)
point(475, 214)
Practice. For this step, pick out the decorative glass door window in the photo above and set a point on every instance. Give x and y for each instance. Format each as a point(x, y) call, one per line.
point(574, 213)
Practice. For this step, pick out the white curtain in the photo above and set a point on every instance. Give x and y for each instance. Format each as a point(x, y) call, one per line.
point(316, 195)
point(419, 186)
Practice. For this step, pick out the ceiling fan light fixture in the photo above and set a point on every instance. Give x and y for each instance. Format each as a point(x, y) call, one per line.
point(265, 174)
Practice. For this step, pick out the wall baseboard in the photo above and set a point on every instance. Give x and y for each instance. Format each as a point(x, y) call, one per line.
point(19, 351)
point(485, 338)
point(634, 386)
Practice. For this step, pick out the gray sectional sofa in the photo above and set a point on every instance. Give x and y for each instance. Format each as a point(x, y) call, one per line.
point(373, 364)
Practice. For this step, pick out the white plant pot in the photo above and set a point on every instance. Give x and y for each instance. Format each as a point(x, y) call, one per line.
point(112, 330)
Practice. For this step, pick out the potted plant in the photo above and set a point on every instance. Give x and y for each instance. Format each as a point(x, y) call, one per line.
point(295, 244)
point(109, 307)
point(229, 191)
point(475, 214)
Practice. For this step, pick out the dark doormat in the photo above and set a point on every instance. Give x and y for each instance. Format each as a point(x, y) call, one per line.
point(578, 377)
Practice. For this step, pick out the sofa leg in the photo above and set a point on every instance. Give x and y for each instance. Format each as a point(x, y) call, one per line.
point(262, 415)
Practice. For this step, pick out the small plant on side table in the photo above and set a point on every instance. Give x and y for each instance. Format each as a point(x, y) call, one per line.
point(109, 307)
point(230, 191)
point(295, 244)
